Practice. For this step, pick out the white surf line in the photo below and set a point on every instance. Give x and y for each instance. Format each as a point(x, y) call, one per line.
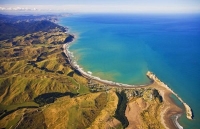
point(175, 121)
point(151, 76)
point(89, 76)
point(189, 113)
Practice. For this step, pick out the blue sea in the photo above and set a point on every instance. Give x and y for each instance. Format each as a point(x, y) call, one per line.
point(123, 47)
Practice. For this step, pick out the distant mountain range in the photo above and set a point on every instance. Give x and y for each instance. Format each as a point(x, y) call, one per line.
point(12, 26)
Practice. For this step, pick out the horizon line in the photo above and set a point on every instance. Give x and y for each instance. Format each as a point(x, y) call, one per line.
point(102, 8)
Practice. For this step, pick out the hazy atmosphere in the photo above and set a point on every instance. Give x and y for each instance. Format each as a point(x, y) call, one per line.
point(107, 64)
point(132, 6)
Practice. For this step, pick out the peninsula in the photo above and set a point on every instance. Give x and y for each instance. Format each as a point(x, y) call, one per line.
point(41, 86)
point(155, 83)
point(187, 108)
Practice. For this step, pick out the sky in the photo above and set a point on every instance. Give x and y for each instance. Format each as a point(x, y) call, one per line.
point(143, 6)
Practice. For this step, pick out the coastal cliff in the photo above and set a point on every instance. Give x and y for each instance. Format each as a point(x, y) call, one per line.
point(187, 107)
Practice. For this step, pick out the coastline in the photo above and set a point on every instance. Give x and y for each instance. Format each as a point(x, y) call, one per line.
point(88, 75)
point(170, 109)
point(49, 64)
point(175, 120)
point(189, 113)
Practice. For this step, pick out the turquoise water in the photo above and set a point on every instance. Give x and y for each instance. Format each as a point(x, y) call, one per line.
point(124, 47)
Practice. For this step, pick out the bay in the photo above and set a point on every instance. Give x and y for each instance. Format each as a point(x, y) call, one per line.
point(123, 47)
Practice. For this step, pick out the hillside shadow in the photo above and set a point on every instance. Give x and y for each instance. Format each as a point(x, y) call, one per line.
point(48, 98)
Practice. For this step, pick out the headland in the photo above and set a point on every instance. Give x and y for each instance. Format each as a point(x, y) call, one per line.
point(169, 110)
point(187, 108)
point(50, 90)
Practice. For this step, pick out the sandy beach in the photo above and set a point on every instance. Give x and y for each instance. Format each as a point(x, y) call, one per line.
point(169, 108)
point(166, 111)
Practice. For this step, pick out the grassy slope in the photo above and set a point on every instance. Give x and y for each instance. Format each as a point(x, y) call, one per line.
point(22, 81)
point(145, 110)
point(78, 112)
point(105, 117)
point(95, 108)
point(34, 65)
point(23, 76)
